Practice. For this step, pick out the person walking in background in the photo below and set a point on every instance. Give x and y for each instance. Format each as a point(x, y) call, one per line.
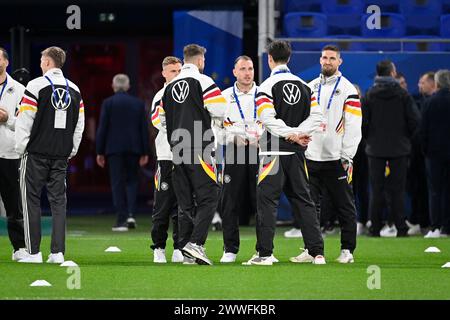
point(49, 129)
point(11, 93)
point(390, 119)
point(434, 135)
point(122, 144)
point(165, 206)
point(333, 146)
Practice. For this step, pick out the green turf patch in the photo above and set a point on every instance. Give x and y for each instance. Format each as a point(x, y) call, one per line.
point(406, 271)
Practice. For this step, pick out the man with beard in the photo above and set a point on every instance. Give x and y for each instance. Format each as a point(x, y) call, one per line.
point(190, 103)
point(333, 146)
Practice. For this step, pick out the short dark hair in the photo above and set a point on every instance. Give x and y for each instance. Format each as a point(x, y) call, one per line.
point(399, 75)
point(192, 50)
point(385, 68)
point(280, 51)
point(429, 75)
point(5, 53)
point(57, 54)
point(332, 47)
point(243, 57)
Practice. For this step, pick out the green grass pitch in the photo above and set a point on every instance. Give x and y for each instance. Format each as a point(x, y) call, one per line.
point(406, 271)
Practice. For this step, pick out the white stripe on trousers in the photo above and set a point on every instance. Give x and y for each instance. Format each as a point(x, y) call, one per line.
point(23, 192)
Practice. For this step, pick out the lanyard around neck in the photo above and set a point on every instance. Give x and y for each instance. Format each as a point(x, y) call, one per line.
point(332, 93)
point(66, 102)
point(4, 86)
point(239, 104)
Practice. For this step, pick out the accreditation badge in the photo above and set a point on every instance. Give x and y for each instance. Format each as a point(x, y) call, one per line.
point(60, 119)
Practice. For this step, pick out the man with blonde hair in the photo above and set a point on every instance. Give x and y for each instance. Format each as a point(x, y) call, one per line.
point(164, 202)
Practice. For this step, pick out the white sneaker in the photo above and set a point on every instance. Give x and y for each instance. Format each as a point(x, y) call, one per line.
point(433, 234)
point(55, 258)
point(274, 260)
point(388, 232)
point(228, 257)
point(345, 257)
point(159, 256)
point(261, 261)
point(303, 257)
point(360, 229)
point(32, 258)
point(20, 254)
point(293, 233)
point(177, 256)
point(414, 230)
point(319, 259)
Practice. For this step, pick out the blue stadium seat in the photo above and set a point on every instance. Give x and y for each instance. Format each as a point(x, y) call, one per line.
point(392, 26)
point(385, 5)
point(343, 16)
point(422, 46)
point(445, 30)
point(446, 6)
point(348, 46)
point(305, 25)
point(301, 5)
point(422, 16)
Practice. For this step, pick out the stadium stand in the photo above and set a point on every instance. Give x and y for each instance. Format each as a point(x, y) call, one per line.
point(305, 25)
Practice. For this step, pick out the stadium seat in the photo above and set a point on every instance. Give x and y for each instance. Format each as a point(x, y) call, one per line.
point(422, 16)
point(392, 26)
point(343, 16)
point(348, 46)
point(445, 6)
point(385, 5)
point(445, 30)
point(422, 46)
point(305, 25)
point(301, 5)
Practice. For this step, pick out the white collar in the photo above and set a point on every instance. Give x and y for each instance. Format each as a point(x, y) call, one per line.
point(279, 68)
point(190, 66)
point(327, 80)
point(55, 71)
point(239, 92)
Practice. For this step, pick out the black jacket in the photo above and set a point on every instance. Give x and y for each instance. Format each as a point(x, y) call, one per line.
point(435, 126)
point(390, 119)
point(123, 126)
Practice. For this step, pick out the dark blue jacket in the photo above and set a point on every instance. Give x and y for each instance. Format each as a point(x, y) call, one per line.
point(435, 128)
point(123, 126)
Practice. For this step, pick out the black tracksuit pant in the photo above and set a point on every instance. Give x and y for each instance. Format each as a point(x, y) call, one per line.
point(285, 173)
point(361, 183)
point(238, 197)
point(10, 193)
point(165, 207)
point(438, 170)
point(392, 187)
point(197, 192)
point(35, 173)
point(331, 176)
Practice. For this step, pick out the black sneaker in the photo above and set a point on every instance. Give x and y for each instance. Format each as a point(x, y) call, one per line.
point(131, 222)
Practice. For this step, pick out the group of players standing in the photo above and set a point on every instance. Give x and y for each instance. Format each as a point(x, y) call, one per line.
point(283, 136)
